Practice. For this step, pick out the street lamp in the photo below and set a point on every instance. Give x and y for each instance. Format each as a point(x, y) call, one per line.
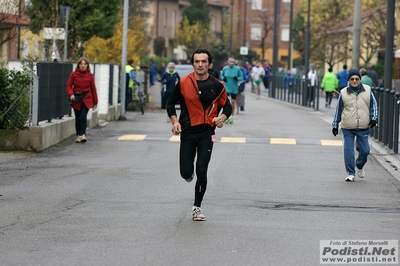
point(290, 63)
point(275, 47)
point(230, 38)
point(244, 30)
point(65, 11)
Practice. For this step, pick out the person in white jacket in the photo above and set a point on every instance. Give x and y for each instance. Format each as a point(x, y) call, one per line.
point(312, 82)
point(257, 74)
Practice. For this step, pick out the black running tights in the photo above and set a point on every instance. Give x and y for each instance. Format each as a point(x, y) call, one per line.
point(188, 150)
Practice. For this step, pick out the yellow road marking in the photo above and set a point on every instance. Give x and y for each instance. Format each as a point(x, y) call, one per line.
point(286, 141)
point(233, 140)
point(132, 137)
point(331, 142)
point(175, 138)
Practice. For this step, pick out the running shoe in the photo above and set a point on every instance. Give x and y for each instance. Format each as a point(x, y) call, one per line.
point(78, 139)
point(360, 173)
point(83, 138)
point(350, 178)
point(230, 120)
point(197, 215)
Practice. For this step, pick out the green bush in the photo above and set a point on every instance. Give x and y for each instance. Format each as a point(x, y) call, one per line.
point(14, 98)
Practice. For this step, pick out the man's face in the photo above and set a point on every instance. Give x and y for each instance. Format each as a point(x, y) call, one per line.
point(231, 63)
point(200, 64)
point(354, 80)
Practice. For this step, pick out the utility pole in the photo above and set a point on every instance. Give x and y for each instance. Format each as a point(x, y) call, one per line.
point(356, 34)
point(230, 38)
point(290, 63)
point(389, 44)
point(65, 11)
point(244, 31)
point(307, 48)
point(275, 47)
point(123, 58)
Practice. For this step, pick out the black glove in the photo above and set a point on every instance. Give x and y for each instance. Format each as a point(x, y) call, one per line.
point(335, 131)
point(372, 123)
point(224, 79)
point(235, 78)
point(322, 89)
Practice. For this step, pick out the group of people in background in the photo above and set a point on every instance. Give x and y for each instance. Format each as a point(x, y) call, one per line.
point(332, 83)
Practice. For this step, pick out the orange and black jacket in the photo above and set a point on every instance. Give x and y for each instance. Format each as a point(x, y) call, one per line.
point(200, 101)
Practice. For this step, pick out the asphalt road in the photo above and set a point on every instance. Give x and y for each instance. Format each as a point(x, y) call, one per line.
point(276, 188)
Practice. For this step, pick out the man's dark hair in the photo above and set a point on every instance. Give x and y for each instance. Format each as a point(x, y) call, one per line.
point(363, 72)
point(330, 69)
point(130, 61)
point(344, 66)
point(202, 51)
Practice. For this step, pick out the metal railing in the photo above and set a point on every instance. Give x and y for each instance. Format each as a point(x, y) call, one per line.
point(387, 131)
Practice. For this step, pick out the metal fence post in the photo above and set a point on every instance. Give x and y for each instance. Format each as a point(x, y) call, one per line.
point(374, 131)
point(390, 118)
point(396, 124)
point(386, 117)
point(381, 108)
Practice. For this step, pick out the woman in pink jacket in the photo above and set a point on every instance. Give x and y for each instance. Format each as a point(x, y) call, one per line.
point(83, 96)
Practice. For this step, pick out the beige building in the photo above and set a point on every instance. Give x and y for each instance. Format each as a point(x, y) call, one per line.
point(252, 24)
point(166, 15)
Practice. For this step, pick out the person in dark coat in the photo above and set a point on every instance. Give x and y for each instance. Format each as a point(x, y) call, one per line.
point(152, 73)
point(372, 74)
point(212, 71)
point(168, 79)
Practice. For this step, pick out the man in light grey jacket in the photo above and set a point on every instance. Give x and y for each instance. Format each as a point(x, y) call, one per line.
point(357, 113)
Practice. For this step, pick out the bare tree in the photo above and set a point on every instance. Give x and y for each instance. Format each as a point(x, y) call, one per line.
point(337, 48)
point(267, 21)
point(11, 16)
point(373, 35)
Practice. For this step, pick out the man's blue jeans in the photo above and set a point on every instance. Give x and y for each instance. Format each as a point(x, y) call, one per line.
point(362, 146)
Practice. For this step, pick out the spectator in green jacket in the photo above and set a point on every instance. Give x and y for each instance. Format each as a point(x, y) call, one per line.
point(365, 79)
point(329, 84)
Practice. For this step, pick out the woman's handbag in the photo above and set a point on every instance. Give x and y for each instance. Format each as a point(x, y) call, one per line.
point(78, 97)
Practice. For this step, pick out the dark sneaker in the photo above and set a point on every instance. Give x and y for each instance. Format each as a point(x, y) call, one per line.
point(189, 179)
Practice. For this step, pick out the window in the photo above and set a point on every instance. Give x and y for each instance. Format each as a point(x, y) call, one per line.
point(285, 33)
point(164, 18)
point(26, 48)
point(255, 32)
point(213, 24)
point(173, 22)
point(286, 4)
point(256, 5)
point(36, 48)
